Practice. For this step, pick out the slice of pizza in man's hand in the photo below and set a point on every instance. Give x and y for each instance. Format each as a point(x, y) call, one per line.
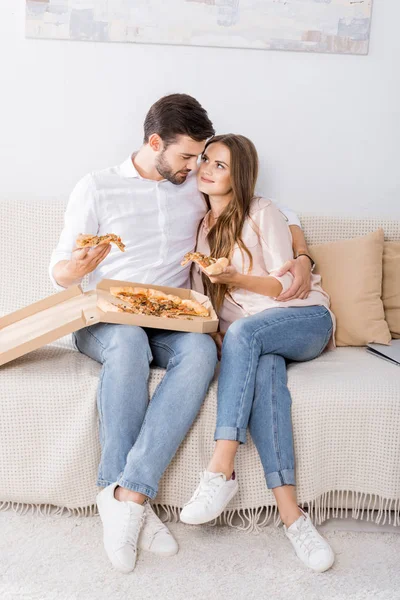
point(86, 240)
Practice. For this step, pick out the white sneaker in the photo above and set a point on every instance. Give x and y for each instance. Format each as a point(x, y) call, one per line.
point(155, 536)
point(122, 522)
point(209, 500)
point(309, 545)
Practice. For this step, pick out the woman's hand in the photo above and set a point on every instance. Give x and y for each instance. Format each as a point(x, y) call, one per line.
point(301, 286)
point(218, 339)
point(229, 276)
point(267, 286)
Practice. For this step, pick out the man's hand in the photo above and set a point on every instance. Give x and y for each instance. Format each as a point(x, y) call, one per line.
point(218, 339)
point(301, 286)
point(85, 260)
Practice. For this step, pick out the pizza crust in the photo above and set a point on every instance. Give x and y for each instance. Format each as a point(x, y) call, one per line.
point(105, 305)
point(130, 291)
point(218, 267)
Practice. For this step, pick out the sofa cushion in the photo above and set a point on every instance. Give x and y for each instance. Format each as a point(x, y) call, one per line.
point(391, 286)
point(351, 273)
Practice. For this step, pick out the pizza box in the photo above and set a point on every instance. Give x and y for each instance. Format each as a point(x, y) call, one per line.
point(45, 321)
point(193, 324)
point(63, 313)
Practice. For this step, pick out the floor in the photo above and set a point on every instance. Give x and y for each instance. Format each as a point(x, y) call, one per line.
point(61, 558)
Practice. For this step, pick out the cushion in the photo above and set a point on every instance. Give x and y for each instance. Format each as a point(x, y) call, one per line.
point(351, 272)
point(391, 286)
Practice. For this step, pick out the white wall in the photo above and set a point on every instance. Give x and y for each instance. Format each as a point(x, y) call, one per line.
point(327, 127)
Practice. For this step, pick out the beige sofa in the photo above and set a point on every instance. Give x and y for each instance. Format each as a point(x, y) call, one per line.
point(346, 407)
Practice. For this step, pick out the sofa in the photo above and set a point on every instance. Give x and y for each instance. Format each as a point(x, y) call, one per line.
point(346, 408)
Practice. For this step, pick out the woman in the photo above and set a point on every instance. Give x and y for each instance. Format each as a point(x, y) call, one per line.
point(259, 334)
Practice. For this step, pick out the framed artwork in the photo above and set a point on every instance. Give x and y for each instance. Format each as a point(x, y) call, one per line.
point(334, 26)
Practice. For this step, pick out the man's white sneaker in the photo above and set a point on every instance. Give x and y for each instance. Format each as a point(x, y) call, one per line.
point(155, 536)
point(122, 522)
point(309, 545)
point(210, 499)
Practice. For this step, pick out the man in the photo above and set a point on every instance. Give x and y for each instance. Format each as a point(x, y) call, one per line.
point(151, 201)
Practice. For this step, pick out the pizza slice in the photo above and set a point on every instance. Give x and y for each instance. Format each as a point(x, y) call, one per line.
point(159, 296)
point(86, 240)
point(192, 306)
point(212, 266)
point(156, 303)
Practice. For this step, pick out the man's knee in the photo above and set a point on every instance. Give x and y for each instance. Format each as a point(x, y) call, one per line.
point(200, 350)
point(127, 342)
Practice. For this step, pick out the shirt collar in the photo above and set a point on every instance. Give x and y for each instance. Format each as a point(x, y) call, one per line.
point(128, 169)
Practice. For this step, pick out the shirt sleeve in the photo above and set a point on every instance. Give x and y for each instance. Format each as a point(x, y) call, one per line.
point(290, 216)
point(276, 242)
point(80, 217)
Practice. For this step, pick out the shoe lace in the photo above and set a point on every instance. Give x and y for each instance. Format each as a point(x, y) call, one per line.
point(132, 529)
point(153, 523)
point(207, 489)
point(306, 539)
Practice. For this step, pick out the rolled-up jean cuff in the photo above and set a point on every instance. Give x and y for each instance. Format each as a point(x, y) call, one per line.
point(235, 434)
point(103, 483)
point(137, 487)
point(279, 478)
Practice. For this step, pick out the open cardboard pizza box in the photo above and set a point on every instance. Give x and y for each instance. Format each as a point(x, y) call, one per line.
point(194, 324)
point(45, 321)
point(58, 315)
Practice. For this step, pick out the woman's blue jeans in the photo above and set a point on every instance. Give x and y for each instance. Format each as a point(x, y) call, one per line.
point(252, 386)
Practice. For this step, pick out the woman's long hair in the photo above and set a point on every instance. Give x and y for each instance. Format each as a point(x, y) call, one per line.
point(227, 231)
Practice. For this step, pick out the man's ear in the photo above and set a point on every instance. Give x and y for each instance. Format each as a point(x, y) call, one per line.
point(155, 142)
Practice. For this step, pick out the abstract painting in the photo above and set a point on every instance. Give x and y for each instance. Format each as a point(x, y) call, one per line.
point(335, 26)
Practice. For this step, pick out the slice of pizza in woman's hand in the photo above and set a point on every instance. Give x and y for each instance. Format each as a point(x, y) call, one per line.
point(212, 266)
point(86, 240)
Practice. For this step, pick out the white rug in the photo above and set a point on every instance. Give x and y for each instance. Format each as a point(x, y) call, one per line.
point(62, 558)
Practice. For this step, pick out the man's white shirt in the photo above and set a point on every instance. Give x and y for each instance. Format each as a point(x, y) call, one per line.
point(156, 220)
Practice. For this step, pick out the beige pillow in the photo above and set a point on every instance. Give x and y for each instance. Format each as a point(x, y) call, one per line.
point(351, 272)
point(391, 286)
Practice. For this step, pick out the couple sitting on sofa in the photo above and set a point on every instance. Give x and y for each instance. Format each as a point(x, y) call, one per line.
point(271, 309)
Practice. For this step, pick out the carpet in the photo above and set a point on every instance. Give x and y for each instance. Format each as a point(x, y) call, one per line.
point(62, 558)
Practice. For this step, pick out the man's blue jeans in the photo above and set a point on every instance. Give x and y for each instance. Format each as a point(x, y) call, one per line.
point(138, 439)
point(252, 385)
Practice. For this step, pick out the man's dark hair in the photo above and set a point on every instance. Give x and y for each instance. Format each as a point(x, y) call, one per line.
point(177, 114)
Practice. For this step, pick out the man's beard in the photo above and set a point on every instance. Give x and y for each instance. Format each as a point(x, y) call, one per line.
point(166, 172)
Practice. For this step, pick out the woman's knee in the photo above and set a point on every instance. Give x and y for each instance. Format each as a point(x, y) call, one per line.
point(240, 332)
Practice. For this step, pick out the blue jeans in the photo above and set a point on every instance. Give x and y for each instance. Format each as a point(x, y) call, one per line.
point(139, 439)
point(252, 385)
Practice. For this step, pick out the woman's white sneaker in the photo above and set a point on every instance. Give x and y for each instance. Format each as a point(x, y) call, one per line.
point(312, 549)
point(155, 536)
point(122, 522)
point(210, 498)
